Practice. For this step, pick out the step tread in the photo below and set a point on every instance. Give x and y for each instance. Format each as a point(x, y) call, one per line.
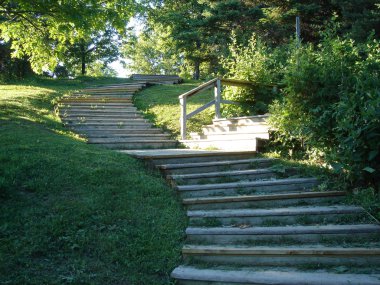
point(225, 199)
point(272, 277)
point(307, 249)
point(138, 141)
point(287, 230)
point(183, 153)
point(216, 163)
point(289, 211)
point(248, 183)
point(221, 173)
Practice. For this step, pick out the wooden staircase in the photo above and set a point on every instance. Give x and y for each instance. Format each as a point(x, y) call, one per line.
point(249, 224)
point(241, 133)
point(106, 116)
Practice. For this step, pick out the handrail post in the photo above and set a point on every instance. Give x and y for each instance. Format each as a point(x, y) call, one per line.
point(217, 95)
point(182, 102)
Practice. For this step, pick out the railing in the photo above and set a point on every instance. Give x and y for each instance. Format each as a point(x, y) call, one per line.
point(215, 83)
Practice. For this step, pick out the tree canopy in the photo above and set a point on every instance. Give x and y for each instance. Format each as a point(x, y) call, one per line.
point(46, 31)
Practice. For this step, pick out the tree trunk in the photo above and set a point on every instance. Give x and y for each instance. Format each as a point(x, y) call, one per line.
point(196, 69)
point(83, 58)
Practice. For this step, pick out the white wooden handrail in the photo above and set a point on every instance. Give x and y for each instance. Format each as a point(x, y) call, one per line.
point(215, 83)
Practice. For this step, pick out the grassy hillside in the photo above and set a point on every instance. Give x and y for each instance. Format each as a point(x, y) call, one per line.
point(72, 212)
point(161, 105)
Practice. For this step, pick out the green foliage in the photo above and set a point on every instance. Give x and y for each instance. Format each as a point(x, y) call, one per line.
point(72, 212)
point(44, 31)
point(332, 103)
point(152, 53)
point(255, 62)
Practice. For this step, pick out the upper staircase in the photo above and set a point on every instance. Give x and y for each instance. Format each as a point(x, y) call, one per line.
point(105, 115)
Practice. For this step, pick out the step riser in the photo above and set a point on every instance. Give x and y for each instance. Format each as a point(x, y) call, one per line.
point(80, 105)
point(84, 128)
point(90, 109)
point(99, 134)
point(196, 159)
point(95, 101)
point(139, 145)
point(266, 203)
point(271, 239)
point(125, 139)
point(279, 220)
point(247, 190)
point(254, 128)
point(288, 260)
point(248, 145)
point(223, 179)
point(246, 120)
point(109, 122)
point(233, 137)
point(215, 168)
point(92, 117)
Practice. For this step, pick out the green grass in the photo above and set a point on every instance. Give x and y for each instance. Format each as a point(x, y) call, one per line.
point(72, 213)
point(161, 105)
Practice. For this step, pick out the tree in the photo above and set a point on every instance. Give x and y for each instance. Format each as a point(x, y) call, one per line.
point(152, 52)
point(99, 46)
point(44, 31)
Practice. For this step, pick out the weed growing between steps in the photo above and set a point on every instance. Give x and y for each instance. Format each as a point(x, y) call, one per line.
point(160, 104)
point(74, 213)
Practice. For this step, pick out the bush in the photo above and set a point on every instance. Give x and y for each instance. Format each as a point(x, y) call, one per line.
point(258, 63)
point(332, 105)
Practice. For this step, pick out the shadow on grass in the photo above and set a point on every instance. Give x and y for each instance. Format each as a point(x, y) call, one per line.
point(76, 213)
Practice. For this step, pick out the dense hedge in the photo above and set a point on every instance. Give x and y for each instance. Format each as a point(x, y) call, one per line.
point(330, 106)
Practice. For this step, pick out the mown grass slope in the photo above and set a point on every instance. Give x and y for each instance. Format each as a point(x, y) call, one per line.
point(72, 212)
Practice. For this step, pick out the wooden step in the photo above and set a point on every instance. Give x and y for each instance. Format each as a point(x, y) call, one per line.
point(100, 116)
point(94, 100)
point(187, 275)
point(255, 128)
point(103, 120)
point(141, 144)
point(283, 255)
point(277, 216)
point(94, 105)
point(240, 120)
point(104, 109)
point(232, 136)
point(262, 201)
point(107, 128)
point(120, 132)
point(301, 234)
point(130, 138)
point(251, 187)
point(111, 123)
point(184, 156)
point(222, 176)
point(245, 144)
point(224, 163)
point(104, 96)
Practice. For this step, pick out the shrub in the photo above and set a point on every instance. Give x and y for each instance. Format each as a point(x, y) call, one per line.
point(332, 104)
point(255, 62)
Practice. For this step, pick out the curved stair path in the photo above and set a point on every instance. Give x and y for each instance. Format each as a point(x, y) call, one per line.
point(106, 116)
point(248, 224)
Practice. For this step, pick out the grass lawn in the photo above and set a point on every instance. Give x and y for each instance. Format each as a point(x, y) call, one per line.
point(161, 105)
point(72, 212)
